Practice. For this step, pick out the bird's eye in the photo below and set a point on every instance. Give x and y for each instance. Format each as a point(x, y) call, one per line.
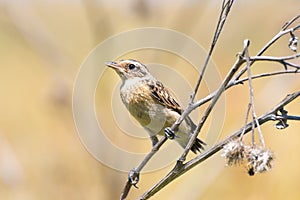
point(131, 66)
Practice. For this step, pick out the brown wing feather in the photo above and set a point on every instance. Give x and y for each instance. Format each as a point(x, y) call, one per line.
point(163, 96)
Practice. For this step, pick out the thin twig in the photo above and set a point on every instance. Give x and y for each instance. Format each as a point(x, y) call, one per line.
point(236, 81)
point(226, 6)
point(268, 74)
point(281, 60)
point(254, 117)
point(281, 33)
point(287, 24)
point(287, 117)
point(246, 121)
point(214, 100)
point(222, 18)
point(272, 58)
point(137, 170)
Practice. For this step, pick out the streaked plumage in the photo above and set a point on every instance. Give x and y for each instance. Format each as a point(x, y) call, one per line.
point(152, 104)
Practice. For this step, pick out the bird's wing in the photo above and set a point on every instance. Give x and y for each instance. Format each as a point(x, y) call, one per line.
point(163, 96)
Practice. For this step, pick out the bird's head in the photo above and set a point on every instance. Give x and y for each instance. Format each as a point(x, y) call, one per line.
point(128, 69)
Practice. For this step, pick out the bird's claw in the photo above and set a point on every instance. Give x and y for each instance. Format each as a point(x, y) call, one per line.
point(134, 177)
point(169, 133)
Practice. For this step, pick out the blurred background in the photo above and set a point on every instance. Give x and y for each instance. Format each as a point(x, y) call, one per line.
point(43, 44)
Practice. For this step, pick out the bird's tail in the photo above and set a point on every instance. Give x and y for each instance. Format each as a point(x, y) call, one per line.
point(198, 144)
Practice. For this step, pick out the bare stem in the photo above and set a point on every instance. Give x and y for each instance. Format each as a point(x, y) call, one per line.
point(246, 121)
point(138, 169)
point(272, 58)
point(254, 117)
point(214, 100)
point(266, 75)
point(287, 24)
point(281, 33)
point(226, 6)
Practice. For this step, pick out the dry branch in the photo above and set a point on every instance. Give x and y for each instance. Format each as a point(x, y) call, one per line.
point(243, 63)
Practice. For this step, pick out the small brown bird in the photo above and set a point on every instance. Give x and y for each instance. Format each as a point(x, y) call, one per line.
point(151, 104)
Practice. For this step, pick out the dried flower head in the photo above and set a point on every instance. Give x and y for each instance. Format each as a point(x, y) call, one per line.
point(259, 160)
point(234, 152)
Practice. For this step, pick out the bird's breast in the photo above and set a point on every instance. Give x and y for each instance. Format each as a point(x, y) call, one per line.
point(137, 99)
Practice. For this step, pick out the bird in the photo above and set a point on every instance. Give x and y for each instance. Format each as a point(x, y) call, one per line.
point(152, 104)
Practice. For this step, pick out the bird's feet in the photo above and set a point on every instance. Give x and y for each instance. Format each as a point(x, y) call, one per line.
point(134, 177)
point(169, 133)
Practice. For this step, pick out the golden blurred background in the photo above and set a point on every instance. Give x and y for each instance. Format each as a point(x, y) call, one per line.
point(43, 44)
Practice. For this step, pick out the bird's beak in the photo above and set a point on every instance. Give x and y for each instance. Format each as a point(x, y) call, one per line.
point(113, 65)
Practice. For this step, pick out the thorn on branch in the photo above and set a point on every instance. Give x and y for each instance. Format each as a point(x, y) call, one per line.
point(134, 177)
point(282, 124)
point(287, 24)
point(246, 46)
point(293, 42)
point(285, 65)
